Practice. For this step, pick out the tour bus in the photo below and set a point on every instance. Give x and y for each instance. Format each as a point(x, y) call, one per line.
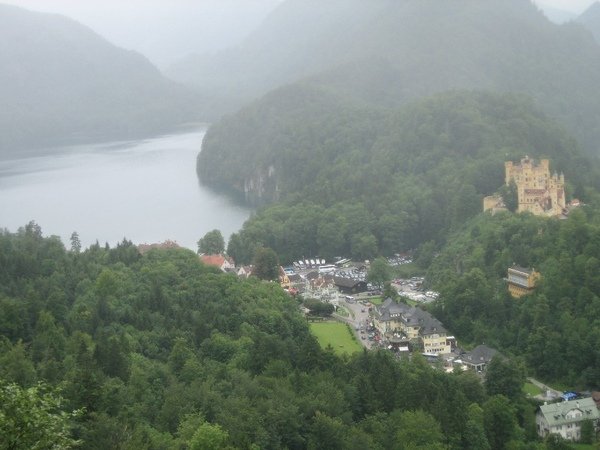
point(341, 262)
point(327, 268)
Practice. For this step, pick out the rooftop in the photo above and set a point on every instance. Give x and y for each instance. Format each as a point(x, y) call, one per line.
point(411, 316)
point(570, 411)
point(482, 354)
point(520, 269)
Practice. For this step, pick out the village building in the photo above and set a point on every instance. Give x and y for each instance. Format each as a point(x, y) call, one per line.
point(539, 192)
point(350, 285)
point(565, 418)
point(296, 281)
point(413, 323)
point(388, 318)
point(221, 261)
point(244, 271)
point(521, 281)
point(478, 358)
point(284, 279)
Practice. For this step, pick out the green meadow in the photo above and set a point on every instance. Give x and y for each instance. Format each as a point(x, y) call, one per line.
point(337, 335)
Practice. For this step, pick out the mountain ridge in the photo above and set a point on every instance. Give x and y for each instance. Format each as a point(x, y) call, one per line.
point(60, 79)
point(421, 48)
point(590, 18)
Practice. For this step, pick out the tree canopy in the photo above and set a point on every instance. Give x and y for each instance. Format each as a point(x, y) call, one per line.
point(362, 182)
point(160, 351)
point(212, 243)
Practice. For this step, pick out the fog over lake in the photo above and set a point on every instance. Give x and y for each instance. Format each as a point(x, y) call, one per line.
point(145, 191)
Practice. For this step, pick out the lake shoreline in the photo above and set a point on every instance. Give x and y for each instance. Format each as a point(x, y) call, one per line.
point(145, 191)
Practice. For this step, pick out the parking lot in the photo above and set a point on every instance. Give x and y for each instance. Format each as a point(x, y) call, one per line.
point(412, 288)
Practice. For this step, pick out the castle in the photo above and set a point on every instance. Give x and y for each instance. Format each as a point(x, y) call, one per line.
point(538, 192)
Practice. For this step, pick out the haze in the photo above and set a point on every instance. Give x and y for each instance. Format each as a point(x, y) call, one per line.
point(167, 31)
point(574, 6)
point(164, 31)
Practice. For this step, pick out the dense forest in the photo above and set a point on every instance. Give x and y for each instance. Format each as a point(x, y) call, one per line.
point(556, 329)
point(349, 180)
point(62, 83)
point(342, 179)
point(114, 350)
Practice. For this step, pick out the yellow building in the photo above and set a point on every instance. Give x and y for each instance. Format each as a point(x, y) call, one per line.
point(521, 281)
point(284, 280)
point(539, 192)
point(494, 203)
point(415, 324)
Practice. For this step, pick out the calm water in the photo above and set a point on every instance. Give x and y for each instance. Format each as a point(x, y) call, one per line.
point(145, 191)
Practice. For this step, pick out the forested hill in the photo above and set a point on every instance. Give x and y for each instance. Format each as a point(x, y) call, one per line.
point(591, 19)
point(61, 82)
point(557, 327)
point(356, 181)
point(160, 352)
point(388, 52)
point(299, 38)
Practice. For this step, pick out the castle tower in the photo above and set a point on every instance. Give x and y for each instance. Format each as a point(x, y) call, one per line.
point(538, 191)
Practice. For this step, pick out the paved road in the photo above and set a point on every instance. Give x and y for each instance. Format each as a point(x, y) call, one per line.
point(548, 392)
point(360, 318)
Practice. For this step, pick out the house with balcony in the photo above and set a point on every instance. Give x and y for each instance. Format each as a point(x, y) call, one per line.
point(413, 323)
point(565, 418)
point(387, 317)
point(521, 281)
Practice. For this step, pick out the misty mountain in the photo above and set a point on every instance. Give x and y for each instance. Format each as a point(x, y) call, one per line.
point(558, 16)
point(590, 18)
point(299, 38)
point(61, 82)
point(397, 178)
point(389, 51)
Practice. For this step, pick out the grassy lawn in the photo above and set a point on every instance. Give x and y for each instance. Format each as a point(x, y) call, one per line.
point(337, 335)
point(531, 389)
point(375, 300)
point(582, 446)
point(343, 311)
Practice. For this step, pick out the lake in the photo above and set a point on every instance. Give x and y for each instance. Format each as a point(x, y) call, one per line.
point(146, 191)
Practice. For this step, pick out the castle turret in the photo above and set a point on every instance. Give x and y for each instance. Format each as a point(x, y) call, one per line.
point(508, 170)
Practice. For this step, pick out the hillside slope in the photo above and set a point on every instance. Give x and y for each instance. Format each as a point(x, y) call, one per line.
point(60, 81)
point(300, 38)
point(590, 18)
point(385, 180)
point(388, 52)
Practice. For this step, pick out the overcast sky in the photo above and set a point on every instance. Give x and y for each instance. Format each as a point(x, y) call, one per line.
point(167, 30)
point(575, 6)
point(163, 30)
